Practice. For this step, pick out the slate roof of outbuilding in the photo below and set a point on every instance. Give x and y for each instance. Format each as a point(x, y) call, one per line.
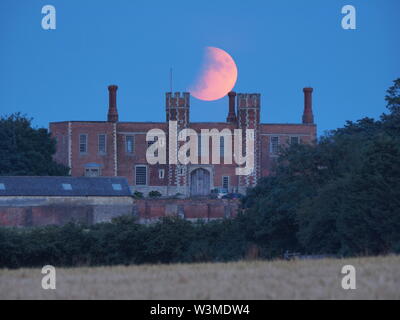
point(53, 186)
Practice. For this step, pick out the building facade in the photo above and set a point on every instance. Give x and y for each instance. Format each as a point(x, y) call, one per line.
point(116, 148)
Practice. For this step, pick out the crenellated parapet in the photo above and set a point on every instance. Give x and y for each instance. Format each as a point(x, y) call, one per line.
point(177, 99)
point(248, 100)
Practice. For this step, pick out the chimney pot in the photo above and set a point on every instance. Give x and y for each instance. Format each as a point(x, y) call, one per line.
point(308, 117)
point(232, 114)
point(112, 108)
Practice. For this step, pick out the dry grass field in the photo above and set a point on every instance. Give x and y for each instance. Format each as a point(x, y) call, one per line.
point(377, 278)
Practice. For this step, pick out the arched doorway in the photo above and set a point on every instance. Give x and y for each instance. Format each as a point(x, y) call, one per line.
point(200, 182)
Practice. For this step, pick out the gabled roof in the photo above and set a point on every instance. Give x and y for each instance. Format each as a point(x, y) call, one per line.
point(64, 186)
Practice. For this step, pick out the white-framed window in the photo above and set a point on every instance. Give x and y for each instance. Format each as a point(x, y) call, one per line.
point(225, 182)
point(161, 173)
point(102, 143)
point(141, 175)
point(294, 140)
point(83, 143)
point(274, 145)
point(130, 144)
point(92, 172)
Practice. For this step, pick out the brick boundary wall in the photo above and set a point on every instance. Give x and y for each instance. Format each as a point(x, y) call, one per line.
point(39, 211)
point(149, 210)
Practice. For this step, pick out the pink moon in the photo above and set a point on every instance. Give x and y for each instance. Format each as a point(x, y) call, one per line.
point(217, 77)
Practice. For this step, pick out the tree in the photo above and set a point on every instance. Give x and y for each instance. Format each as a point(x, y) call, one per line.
point(393, 97)
point(339, 196)
point(25, 150)
point(391, 121)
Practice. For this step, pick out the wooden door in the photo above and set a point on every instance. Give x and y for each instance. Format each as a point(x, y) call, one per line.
point(200, 182)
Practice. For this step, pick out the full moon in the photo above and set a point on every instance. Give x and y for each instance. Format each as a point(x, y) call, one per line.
point(217, 76)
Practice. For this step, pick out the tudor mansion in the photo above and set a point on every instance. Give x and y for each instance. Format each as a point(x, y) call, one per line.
point(116, 148)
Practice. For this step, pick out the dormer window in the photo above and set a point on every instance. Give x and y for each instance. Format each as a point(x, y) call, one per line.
point(92, 170)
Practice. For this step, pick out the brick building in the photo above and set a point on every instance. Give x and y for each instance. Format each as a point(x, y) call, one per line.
point(118, 148)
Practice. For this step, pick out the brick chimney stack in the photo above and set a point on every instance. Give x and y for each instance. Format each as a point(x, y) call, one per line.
point(308, 117)
point(232, 114)
point(112, 108)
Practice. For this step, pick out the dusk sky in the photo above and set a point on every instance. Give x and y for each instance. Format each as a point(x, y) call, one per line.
point(279, 47)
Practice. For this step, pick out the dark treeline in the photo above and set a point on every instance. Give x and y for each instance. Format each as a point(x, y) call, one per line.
point(122, 241)
point(340, 196)
point(27, 151)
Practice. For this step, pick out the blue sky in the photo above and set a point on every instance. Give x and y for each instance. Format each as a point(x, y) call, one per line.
point(279, 48)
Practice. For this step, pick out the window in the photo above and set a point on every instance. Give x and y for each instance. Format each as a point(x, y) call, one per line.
point(129, 144)
point(102, 143)
point(294, 140)
point(2, 186)
point(92, 172)
point(66, 186)
point(181, 171)
point(161, 173)
point(141, 175)
point(274, 145)
point(116, 187)
point(225, 182)
point(83, 143)
point(221, 146)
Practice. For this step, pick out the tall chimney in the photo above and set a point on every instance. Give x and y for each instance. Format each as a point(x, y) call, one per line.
point(231, 115)
point(308, 117)
point(112, 108)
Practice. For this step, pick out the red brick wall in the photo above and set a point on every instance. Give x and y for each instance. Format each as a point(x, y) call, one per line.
point(146, 210)
point(305, 132)
point(60, 133)
point(92, 130)
point(44, 215)
point(192, 209)
point(127, 162)
point(13, 217)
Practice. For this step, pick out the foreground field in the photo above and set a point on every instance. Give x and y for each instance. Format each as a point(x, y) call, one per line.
point(376, 278)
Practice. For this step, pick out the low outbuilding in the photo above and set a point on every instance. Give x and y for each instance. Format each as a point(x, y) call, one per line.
point(38, 201)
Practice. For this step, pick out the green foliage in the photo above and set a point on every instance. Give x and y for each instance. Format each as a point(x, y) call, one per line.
point(176, 196)
point(340, 196)
point(25, 150)
point(138, 195)
point(123, 241)
point(154, 194)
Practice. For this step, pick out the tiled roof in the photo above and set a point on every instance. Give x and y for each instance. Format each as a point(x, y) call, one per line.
point(64, 186)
